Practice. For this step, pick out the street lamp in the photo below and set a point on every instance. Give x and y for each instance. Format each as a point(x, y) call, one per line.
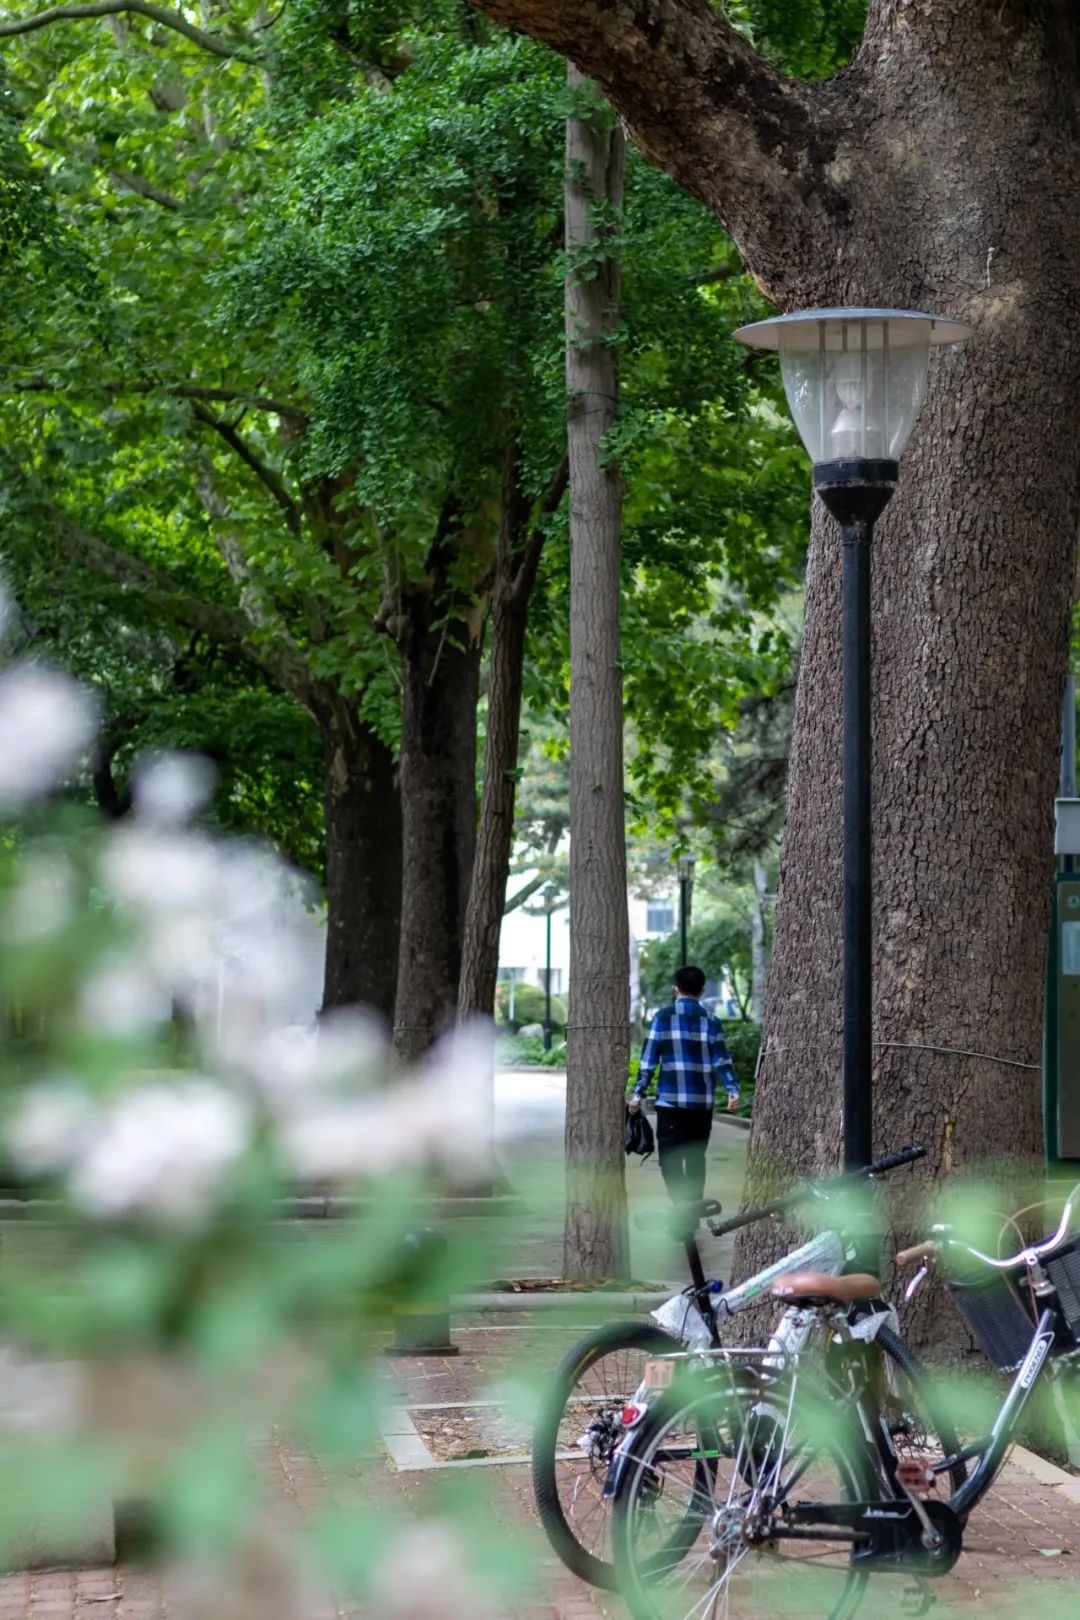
point(685, 864)
point(855, 381)
point(551, 894)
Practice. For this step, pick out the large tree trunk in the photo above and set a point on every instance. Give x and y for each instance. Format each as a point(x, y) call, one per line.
point(937, 171)
point(598, 1046)
point(973, 569)
point(363, 866)
point(441, 667)
point(759, 959)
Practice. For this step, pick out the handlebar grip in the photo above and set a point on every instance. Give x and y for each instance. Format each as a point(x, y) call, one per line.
point(916, 1254)
point(892, 1161)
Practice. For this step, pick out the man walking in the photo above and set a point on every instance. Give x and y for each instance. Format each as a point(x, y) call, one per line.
point(688, 1045)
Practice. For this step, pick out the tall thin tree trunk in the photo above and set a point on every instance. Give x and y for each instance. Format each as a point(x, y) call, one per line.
point(598, 1048)
point(495, 831)
point(363, 866)
point(516, 570)
point(438, 816)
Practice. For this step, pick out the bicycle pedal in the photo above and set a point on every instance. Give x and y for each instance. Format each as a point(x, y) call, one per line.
point(918, 1598)
point(913, 1474)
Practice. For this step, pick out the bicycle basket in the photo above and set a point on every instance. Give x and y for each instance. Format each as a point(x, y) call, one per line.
point(992, 1310)
point(1063, 1270)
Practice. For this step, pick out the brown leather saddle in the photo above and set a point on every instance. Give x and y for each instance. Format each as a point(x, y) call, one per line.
point(818, 1288)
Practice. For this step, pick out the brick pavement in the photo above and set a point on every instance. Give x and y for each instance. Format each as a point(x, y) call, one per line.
point(1021, 1558)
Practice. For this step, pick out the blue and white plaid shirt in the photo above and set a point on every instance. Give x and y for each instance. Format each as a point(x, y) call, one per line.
point(688, 1044)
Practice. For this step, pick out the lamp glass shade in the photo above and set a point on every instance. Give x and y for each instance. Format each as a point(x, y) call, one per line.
point(855, 379)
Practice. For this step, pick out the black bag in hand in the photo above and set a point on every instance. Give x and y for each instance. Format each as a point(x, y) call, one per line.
point(638, 1136)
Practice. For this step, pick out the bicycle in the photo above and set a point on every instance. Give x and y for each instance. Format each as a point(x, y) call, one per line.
point(793, 1477)
point(579, 1442)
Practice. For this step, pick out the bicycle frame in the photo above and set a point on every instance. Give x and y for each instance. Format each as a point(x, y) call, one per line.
point(828, 1248)
point(992, 1451)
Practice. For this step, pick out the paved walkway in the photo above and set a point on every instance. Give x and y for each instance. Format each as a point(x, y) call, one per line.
point(1022, 1545)
point(1022, 1554)
point(464, 1423)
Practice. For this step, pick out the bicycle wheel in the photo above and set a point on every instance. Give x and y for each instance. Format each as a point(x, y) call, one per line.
point(579, 1426)
point(691, 1544)
point(920, 1426)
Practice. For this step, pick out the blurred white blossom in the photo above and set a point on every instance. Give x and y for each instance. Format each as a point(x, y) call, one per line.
point(155, 870)
point(123, 996)
point(162, 1150)
point(295, 1065)
point(49, 1125)
point(46, 722)
point(438, 1116)
point(44, 899)
point(171, 788)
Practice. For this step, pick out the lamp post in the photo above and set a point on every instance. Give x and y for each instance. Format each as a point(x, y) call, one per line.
point(551, 894)
point(855, 380)
point(686, 864)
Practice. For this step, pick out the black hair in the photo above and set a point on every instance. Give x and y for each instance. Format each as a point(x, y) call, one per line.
point(690, 980)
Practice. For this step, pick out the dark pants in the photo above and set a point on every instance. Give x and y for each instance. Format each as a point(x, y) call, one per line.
point(682, 1135)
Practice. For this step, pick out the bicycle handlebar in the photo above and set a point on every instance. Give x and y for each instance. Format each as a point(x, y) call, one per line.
point(1026, 1257)
point(815, 1189)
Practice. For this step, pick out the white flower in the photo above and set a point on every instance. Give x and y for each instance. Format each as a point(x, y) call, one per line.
point(160, 869)
point(441, 1115)
point(123, 997)
point(49, 1126)
point(43, 902)
point(162, 1151)
point(171, 788)
point(292, 1064)
point(46, 722)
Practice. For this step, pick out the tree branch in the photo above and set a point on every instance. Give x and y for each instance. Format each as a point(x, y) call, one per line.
point(227, 396)
point(227, 627)
point(254, 601)
point(139, 8)
point(751, 143)
point(247, 455)
point(525, 578)
point(524, 894)
point(128, 181)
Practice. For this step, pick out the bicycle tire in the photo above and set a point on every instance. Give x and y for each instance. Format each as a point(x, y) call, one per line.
point(939, 1423)
point(640, 1580)
point(611, 1340)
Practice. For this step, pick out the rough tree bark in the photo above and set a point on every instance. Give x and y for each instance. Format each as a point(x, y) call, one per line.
point(441, 678)
point(759, 960)
point(362, 810)
point(936, 171)
point(598, 1046)
point(521, 541)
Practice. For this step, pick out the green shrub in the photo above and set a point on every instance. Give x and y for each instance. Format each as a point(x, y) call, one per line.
point(516, 1051)
point(529, 1007)
point(744, 1043)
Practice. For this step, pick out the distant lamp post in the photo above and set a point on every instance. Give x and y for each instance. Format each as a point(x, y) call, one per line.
point(686, 864)
point(855, 381)
point(551, 894)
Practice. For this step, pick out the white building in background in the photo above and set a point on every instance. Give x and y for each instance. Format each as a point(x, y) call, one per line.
point(523, 940)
